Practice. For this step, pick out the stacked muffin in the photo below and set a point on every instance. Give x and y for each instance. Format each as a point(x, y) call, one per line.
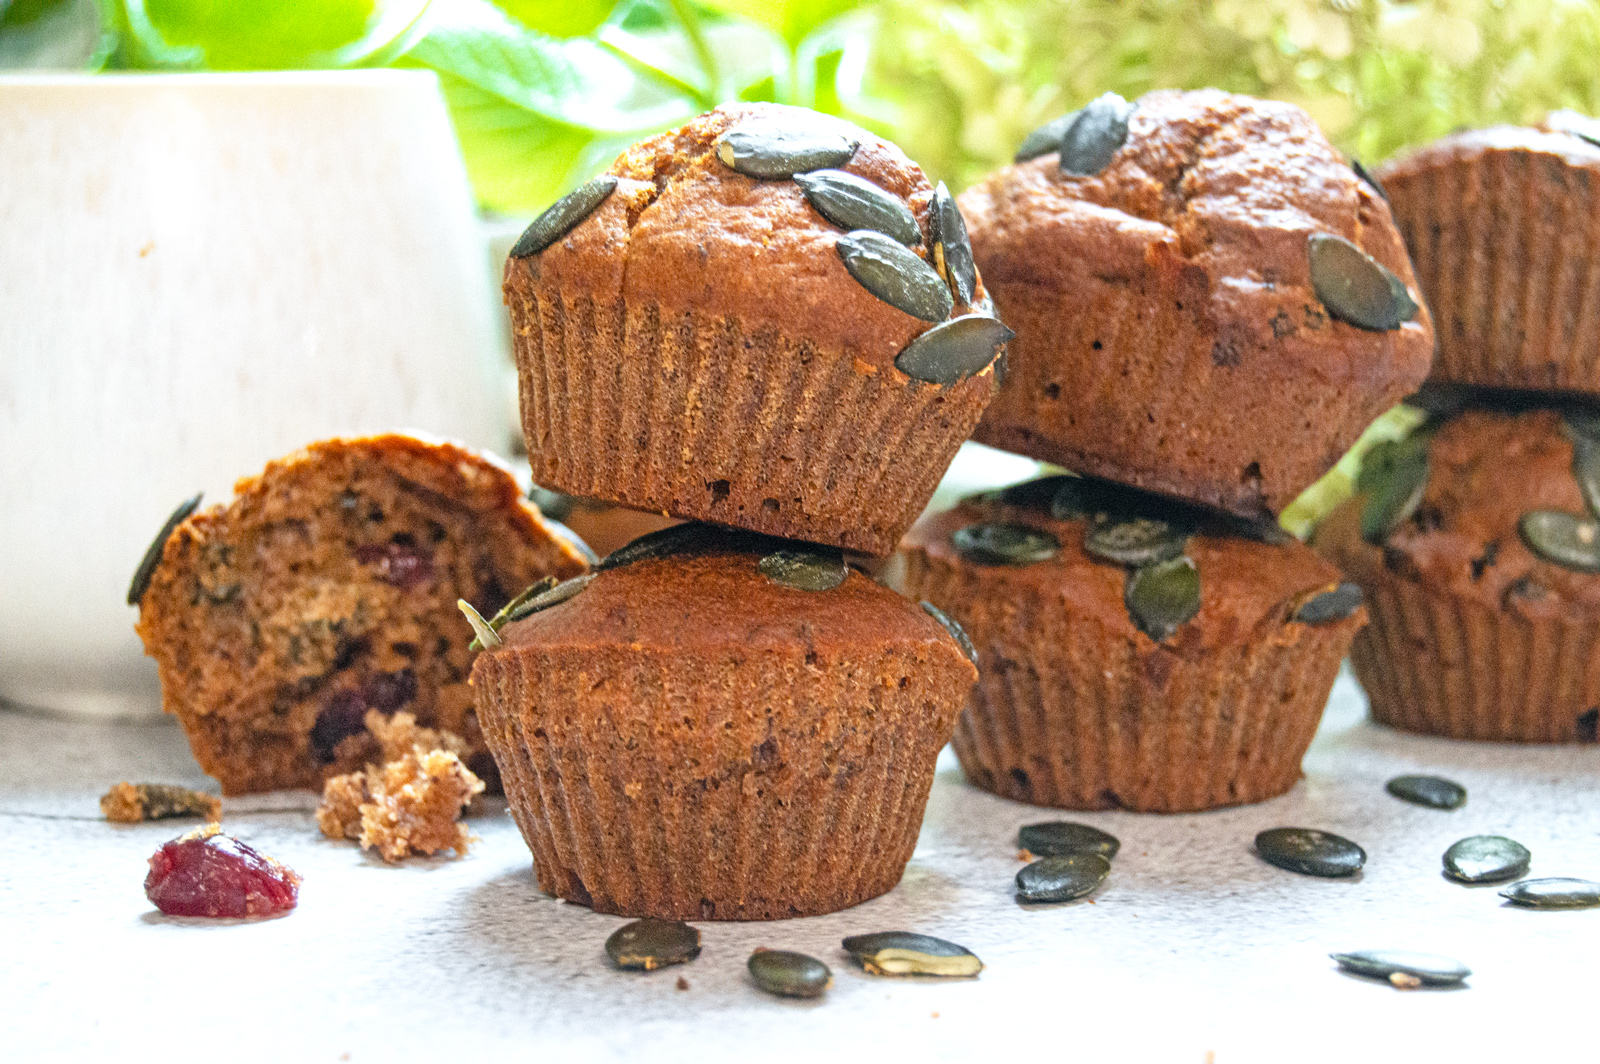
point(1210, 305)
point(1476, 538)
point(770, 321)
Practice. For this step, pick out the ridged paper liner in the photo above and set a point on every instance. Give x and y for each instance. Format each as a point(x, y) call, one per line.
point(1068, 714)
point(713, 800)
point(701, 417)
point(1437, 663)
point(1506, 248)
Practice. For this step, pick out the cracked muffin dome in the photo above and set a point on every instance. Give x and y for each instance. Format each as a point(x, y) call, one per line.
point(1500, 224)
point(327, 588)
point(767, 319)
point(1208, 301)
point(1477, 545)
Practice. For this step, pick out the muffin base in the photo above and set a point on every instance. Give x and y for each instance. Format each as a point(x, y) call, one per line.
point(717, 789)
point(715, 419)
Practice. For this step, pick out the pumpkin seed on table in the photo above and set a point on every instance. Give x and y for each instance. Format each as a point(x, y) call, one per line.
point(1558, 892)
point(908, 953)
point(1094, 136)
point(1563, 539)
point(563, 216)
point(1064, 877)
point(1163, 597)
point(152, 554)
point(951, 625)
point(1486, 859)
point(806, 569)
point(1394, 476)
point(954, 350)
point(1328, 607)
point(1435, 792)
point(1004, 543)
point(774, 150)
point(1404, 968)
point(1355, 287)
point(789, 974)
point(852, 202)
point(648, 944)
point(1055, 838)
point(1137, 542)
point(1310, 852)
point(1045, 139)
point(895, 274)
point(952, 251)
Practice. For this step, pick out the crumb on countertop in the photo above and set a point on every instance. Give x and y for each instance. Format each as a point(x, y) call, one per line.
point(134, 803)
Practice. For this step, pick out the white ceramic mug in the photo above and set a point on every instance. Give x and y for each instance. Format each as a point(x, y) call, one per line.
point(198, 273)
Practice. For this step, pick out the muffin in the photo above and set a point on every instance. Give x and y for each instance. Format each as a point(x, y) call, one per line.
point(766, 319)
point(1134, 653)
point(1208, 301)
point(1501, 227)
point(720, 726)
point(328, 587)
point(1476, 543)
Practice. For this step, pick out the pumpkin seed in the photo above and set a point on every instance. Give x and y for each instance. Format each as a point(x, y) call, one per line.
point(487, 637)
point(1394, 476)
point(1160, 598)
point(526, 595)
point(552, 504)
point(1580, 419)
point(1095, 135)
point(152, 555)
point(1364, 174)
point(774, 149)
point(1355, 287)
point(954, 350)
point(692, 537)
point(1062, 878)
point(562, 216)
point(1563, 539)
point(1080, 497)
point(951, 247)
point(1435, 792)
point(852, 202)
point(1586, 469)
point(908, 953)
point(1557, 892)
point(895, 274)
point(1310, 852)
point(1327, 607)
point(805, 569)
point(648, 944)
point(1137, 542)
point(1427, 969)
point(951, 625)
point(789, 974)
point(1486, 859)
point(1057, 837)
point(1004, 543)
point(553, 596)
point(1036, 494)
point(1045, 139)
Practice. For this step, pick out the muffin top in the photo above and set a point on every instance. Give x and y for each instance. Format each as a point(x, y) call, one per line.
point(1226, 196)
point(698, 589)
point(1563, 138)
point(1452, 506)
point(1089, 543)
point(690, 225)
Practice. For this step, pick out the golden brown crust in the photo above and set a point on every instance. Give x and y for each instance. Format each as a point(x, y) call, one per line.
point(327, 586)
point(1079, 709)
point(1503, 226)
point(1167, 332)
point(696, 347)
point(686, 738)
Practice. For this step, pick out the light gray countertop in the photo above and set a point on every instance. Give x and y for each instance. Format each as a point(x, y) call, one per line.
point(1194, 951)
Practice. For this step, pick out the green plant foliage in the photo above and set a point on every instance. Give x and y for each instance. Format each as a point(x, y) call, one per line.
point(559, 18)
point(790, 19)
point(54, 35)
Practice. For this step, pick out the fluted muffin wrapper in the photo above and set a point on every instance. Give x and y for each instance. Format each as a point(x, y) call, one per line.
point(1067, 714)
point(1507, 268)
point(1440, 664)
point(708, 418)
point(738, 816)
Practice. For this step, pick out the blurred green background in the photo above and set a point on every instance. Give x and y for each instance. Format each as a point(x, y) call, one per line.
point(545, 93)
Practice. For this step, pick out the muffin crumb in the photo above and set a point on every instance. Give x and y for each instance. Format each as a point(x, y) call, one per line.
point(134, 803)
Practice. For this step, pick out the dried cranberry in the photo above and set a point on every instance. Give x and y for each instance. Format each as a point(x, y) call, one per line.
point(401, 564)
point(390, 691)
point(206, 873)
point(343, 716)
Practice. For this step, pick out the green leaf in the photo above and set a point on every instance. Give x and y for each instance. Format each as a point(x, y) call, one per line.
point(790, 19)
point(54, 35)
point(266, 34)
point(558, 18)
